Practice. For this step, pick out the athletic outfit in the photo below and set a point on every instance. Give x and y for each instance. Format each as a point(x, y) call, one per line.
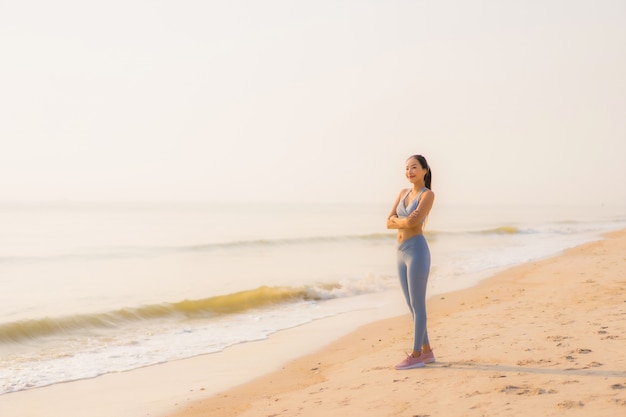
point(413, 270)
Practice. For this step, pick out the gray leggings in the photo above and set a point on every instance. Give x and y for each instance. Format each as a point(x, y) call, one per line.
point(413, 269)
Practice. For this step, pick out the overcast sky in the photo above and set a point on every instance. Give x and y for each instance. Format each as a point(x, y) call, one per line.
point(510, 101)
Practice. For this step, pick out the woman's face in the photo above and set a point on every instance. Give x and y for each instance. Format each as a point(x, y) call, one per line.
point(414, 171)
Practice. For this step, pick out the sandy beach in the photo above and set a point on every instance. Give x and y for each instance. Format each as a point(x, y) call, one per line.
point(544, 337)
point(196, 198)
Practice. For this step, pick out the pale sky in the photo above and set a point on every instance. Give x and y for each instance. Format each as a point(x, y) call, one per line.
point(510, 101)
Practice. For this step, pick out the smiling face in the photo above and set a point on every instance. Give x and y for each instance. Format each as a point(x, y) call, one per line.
point(415, 173)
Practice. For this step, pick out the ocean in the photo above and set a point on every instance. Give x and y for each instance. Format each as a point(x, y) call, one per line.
point(88, 289)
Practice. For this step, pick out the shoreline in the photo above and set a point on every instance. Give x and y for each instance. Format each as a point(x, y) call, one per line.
point(155, 389)
point(515, 344)
point(183, 388)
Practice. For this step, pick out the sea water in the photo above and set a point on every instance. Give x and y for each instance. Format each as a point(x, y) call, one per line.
point(92, 288)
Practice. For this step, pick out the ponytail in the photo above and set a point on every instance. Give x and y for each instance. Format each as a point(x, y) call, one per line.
point(428, 178)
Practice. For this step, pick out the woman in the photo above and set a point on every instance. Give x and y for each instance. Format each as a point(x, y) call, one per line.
point(408, 216)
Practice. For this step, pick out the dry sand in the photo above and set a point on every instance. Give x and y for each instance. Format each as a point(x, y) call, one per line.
point(545, 338)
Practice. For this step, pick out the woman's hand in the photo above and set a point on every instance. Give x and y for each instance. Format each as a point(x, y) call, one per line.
point(392, 222)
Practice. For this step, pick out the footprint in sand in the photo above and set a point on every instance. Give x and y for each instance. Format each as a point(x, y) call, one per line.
point(468, 395)
point(526, 390)
point(593, 365)
point(557, 338)
point(534, 362)
point(570, 404)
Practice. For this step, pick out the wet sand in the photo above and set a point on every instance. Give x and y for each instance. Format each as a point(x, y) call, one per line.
point(544, 338)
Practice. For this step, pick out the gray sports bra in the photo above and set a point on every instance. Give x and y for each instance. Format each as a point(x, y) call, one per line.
point(402, 210)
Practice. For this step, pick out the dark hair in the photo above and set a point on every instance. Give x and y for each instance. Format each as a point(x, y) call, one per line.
point(429, 176)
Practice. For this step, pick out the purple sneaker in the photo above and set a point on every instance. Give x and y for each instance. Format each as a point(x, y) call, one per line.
point(428, 357)
point(410, 362)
